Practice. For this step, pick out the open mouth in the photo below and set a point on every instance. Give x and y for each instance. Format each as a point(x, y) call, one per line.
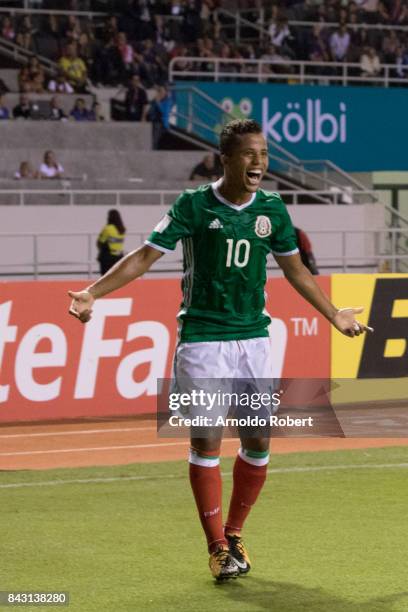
point(254, 176)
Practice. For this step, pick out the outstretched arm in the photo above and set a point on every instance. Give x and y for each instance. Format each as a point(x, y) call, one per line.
point(304, 283)
point(132, 266)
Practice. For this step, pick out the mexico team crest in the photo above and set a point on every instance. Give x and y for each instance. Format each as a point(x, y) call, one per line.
point(263, 226)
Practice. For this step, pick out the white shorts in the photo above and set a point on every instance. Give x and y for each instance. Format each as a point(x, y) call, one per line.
point(233, 368)
point(224, 359)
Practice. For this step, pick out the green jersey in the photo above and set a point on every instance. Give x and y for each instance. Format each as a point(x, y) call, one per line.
point(225, 247)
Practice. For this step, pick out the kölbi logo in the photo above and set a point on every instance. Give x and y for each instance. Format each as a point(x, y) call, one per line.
point(308, 122)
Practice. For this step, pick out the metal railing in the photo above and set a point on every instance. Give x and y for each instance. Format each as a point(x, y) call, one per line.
point(163, 197)
point(295, 71)
point(57, 12)
point(394, 219)
point(86, 197)
point(200, 118)
point(21, 54)
point(237, 24)
point(34, 8)
point(343, 250)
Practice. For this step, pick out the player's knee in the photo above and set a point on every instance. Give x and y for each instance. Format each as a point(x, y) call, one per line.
point(210, 445)
point(258, 445)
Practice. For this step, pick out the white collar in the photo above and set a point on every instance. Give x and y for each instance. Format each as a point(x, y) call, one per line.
point(215, 186)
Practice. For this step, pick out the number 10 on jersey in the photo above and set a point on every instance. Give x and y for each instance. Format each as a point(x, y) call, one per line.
point(238, 254)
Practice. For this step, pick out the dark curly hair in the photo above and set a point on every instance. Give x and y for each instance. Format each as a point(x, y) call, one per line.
point(234, 129)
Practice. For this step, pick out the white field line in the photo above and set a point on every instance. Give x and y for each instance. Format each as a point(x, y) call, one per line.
point(289, 470)
point(54, 451)
point(75, 432)
point(90, 449)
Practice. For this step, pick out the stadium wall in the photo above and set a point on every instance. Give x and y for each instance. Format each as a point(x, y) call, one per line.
point(52, 367)
point(68, 222)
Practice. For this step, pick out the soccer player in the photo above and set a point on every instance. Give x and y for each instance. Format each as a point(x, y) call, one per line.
point(227, 229)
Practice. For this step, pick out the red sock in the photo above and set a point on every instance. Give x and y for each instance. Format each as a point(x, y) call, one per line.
point(205, 479)
point(248, 477)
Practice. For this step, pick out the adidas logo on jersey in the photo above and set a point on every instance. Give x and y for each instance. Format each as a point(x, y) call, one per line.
point(216, 224)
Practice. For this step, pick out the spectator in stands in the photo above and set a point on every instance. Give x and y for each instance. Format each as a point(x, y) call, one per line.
point(306, 251)
point(191, 27)
point(206, 170)
point(56, 112)
point(164, 33)
point(339, 43)
point(399, 12)
point(275, 62)
point(74, 68)
point(317, 50)
point(390, 45)
point(36, 72)
point(7, 28)
point(383, 16)
point(80, 111)
point(205, 47)
point(152, 69)
point(126, 53)
point(369, 10)
point(50, 168)
point(110, 30)
point(332, 10)
point(370, 63)
point(24, 80)
point(37, 84)
point(401, 62)
point(23, 109)
point(26, 172)
point(60, 84)
point(159, 113)
point(226, 53)
point(4, 111)
point(280, 35)
point(110, 241)
point(73, 30)
point(51, 28)
point(25, 33)
point(184, 65)
point(359, 38)
point(136, 102)
point(86, 48)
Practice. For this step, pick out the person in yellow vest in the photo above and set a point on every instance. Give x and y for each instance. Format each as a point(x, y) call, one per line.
point(110, 241)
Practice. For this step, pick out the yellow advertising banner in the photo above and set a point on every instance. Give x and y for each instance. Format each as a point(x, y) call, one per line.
point(378, 360)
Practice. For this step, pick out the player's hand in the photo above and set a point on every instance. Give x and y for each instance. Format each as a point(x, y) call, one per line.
point(344, 320)
point(81, 305)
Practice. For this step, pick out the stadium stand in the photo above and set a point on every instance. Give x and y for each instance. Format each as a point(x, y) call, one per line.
point(43, 49)
point(144, 39)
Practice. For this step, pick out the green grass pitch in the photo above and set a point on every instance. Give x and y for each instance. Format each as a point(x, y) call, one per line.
point(330, 536)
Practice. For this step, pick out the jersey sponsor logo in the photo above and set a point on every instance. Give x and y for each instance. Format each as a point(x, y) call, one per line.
point(216, 224)
point(162, 224)
point(263, 226)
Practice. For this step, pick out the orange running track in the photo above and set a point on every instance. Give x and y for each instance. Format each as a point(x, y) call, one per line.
point(119, 442)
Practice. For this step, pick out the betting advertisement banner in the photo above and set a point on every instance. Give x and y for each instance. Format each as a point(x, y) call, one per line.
point(378, 360)
point(53, 367)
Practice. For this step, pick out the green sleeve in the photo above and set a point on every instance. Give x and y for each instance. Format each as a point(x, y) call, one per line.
point(175, 225)
point(283, 239)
